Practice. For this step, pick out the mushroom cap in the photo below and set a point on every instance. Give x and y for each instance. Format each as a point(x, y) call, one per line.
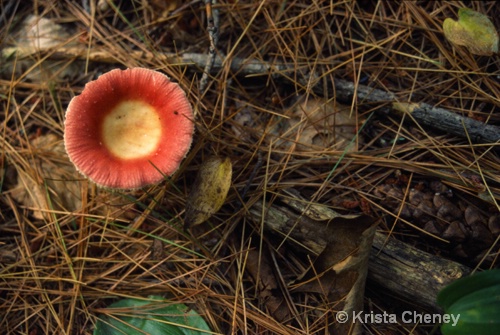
point(128, 128)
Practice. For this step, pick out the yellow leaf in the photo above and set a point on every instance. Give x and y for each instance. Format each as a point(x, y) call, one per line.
point(472, 30)
point(209, 190)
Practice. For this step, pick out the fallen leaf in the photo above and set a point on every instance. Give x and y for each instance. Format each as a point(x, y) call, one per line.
point(320, 123)
point(259, 266)
point(494, 224)
point(209, 190)
point(339, 272)
point(472, 30)
point(342, 245)
point(162, 8)
point(405, 107)
point(39, 34)
point(57, 187)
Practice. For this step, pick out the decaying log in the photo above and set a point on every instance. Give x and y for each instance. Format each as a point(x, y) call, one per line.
point(409, 273)
point(397, 268)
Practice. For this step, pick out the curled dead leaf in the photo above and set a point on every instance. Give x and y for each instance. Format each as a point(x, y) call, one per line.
point(209, 190)
point(342, 245)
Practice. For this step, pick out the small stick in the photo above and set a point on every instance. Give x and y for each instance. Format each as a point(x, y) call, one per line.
point(213, 35)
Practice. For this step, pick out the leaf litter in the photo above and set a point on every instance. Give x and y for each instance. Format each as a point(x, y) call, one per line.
point(331, 155)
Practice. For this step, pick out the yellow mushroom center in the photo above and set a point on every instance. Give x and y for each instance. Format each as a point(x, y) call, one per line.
point(132, 130)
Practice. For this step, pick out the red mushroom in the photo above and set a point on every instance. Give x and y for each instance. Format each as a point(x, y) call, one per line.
point(128, 128)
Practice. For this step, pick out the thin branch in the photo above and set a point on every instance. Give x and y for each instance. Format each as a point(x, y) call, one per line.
point(343, 90)
point(213, 35)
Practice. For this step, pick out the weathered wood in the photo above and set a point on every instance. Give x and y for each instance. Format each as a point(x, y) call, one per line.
point(399, 269)
point(343, 90)
point(422, 113)
point(409, 273)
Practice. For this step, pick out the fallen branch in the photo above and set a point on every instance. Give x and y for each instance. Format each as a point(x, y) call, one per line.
point(345, 91)
point(398, 269)
point(194, 60)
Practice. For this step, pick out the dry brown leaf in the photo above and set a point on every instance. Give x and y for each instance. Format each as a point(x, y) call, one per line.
point(57, 186)
point(163, 7)
point(494, 224)
point(340, 270)
point(36, 34)
point(260, 268)
point(209, 190)
point(319, 123)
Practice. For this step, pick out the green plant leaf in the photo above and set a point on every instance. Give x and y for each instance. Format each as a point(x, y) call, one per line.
point(467, 285)
point(475, 300)
point(472, 30)
point(152, 316)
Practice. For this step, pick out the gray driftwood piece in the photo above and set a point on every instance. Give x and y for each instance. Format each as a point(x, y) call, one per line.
point(400, 270)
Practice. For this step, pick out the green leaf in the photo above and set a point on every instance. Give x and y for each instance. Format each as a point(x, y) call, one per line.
point(475, 300)
point(152, 316)
point(473, 30)
point(467, 285)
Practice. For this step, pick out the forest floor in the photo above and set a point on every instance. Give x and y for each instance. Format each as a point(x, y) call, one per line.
point(277, 103)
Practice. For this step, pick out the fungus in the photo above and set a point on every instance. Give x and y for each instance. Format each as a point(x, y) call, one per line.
point(128, 128)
